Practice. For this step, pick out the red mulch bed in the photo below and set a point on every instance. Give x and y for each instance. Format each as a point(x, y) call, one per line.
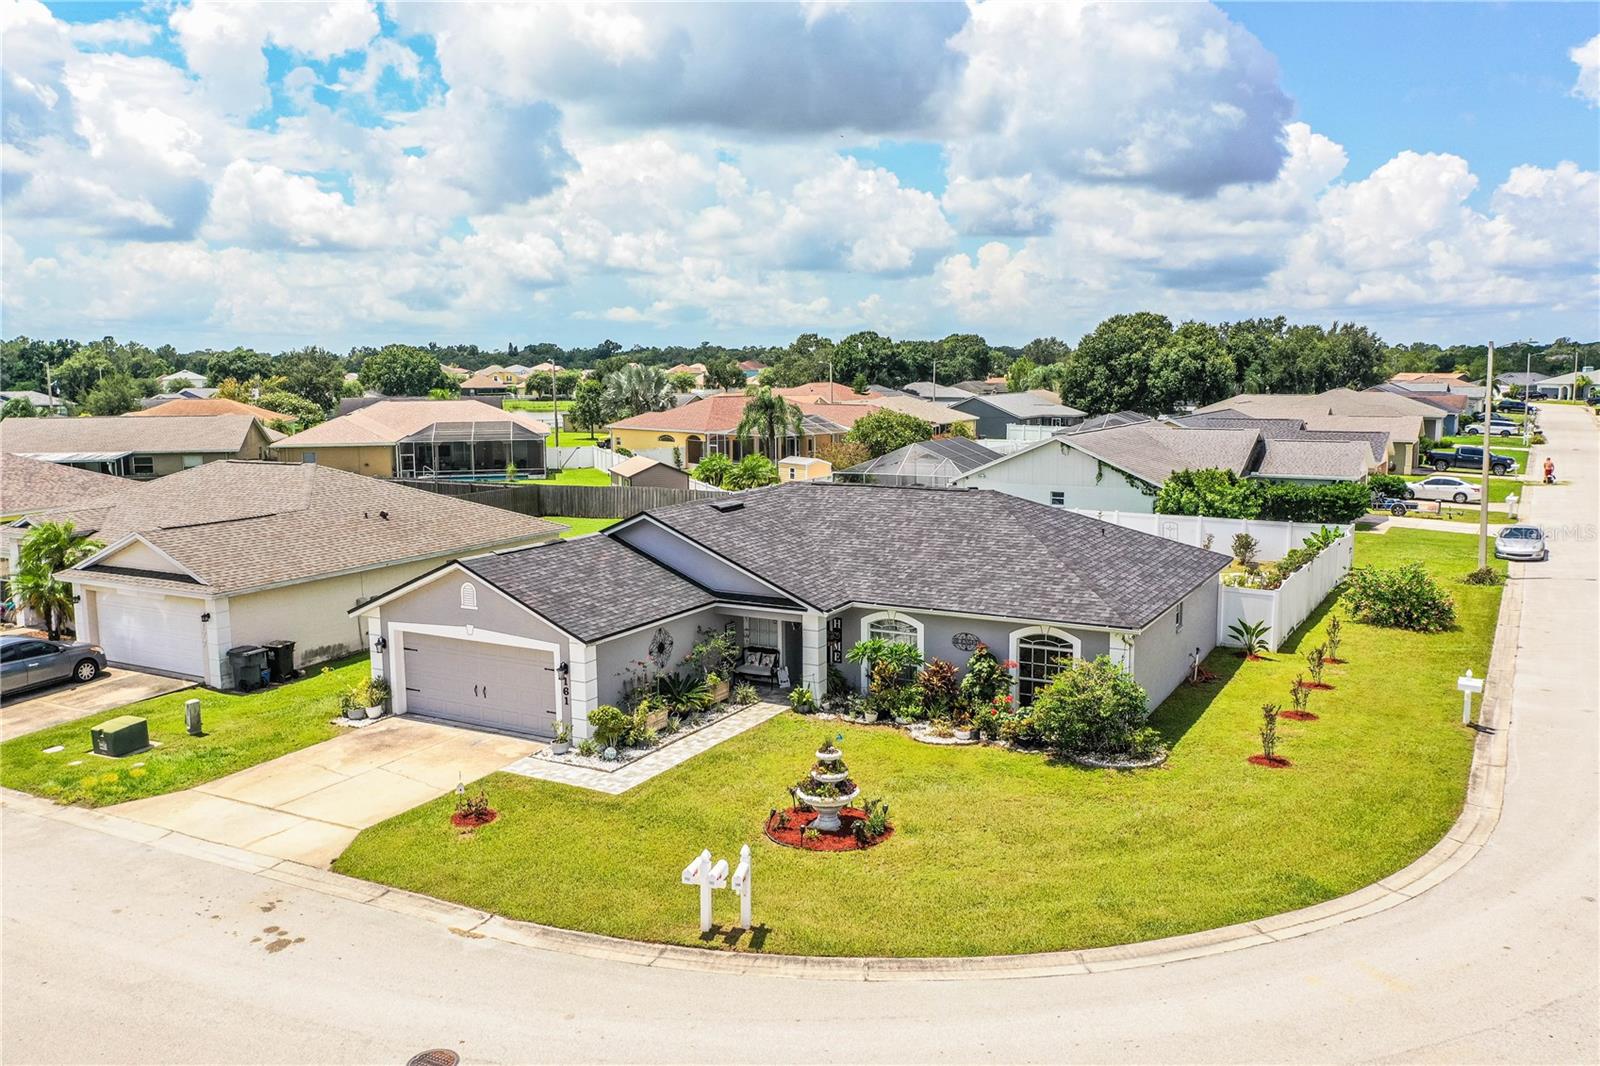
point(472, 821)
point(1253, 658)
point(1275, 762)
point(1333, 662)
point(1298, 716)
point(792, 835)
point(1320, 686)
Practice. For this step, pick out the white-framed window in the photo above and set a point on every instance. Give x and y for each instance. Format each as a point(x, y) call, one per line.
point(763, 633)
point(469, 596)
point(192, 461)
point(1058, 499)
point(892, 627)
point(1040, 654)
point(144, 464)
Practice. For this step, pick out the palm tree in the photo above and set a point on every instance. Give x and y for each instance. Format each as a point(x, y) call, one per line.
point(636, 389)
point(768, 418)
point(48, 548)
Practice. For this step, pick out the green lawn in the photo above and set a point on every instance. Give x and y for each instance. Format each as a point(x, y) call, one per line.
point(585, 475)
point(537, 405)
point(577, 527)
point(241, 730)
point(1002, 852)
point(571, 438)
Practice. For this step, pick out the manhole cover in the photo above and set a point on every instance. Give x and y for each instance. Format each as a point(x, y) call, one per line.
point(434, 1057)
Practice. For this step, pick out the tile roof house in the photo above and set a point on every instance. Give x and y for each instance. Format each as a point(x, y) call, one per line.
point(216, 405)
point(1431, 377)
point(236, 553)
point(423, 438)
point(485, 384)
point(831, 391)
point(138, 447)
point(798, 573)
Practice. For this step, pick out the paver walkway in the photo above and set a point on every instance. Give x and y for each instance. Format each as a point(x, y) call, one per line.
point(641, 770)
point(308, 805)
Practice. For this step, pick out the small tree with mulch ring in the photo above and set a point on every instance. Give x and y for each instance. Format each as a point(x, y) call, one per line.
point(1334, 635)
point(1269, 739)
point(1315, 658)
point(1300, 696)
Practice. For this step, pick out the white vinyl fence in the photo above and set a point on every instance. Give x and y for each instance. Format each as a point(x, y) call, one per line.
point(1275, 538)
point(1283, 609)
point(585, 456)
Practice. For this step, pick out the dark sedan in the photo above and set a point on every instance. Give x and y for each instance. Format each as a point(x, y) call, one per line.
point(27, 662)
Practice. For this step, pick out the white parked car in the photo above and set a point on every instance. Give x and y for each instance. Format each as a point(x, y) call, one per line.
point(1497, 428)
point(1445, 487)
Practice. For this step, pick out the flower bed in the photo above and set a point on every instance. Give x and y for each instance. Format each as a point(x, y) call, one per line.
point(627, 754)
point(793, 832)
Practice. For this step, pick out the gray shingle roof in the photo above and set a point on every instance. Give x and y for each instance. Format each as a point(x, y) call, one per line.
point(1377, 440)
point(1110, 421)
point(28, 485)
point(246, 525)
point(593, 587)
point(1342, 460)
point(1023, 405)
point(149, 436)
point(964, 551)
point(950, 455)
point(1152, 451)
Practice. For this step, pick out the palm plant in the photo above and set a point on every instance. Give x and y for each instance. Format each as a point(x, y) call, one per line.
point(48, 548)
point(1251, 636)
point(769, 418)
point(636, 389)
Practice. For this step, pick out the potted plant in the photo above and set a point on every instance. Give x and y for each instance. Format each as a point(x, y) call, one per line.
point(376, 694)
point(350, 707)
point(563, 739)
point(827, 789)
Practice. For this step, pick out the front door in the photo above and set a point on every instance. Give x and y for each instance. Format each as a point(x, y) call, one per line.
point(406, 466)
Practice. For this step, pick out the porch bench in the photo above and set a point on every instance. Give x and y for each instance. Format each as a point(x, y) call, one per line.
point(758, 663)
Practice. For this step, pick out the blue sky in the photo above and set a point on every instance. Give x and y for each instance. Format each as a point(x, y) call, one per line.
point(280, 174)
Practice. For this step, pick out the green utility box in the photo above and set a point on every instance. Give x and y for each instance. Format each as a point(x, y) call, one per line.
point(121, 736)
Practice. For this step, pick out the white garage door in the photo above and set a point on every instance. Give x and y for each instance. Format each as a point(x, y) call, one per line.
point(474, 683)
point(152, 632)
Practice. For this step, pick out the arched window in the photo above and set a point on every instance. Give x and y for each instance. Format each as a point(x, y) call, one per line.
point(1040, 654)
point(890, 627)
point(469, 596)
point(666, 438)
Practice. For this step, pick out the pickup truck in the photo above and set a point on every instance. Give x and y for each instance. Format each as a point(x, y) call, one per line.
point(1470, 457)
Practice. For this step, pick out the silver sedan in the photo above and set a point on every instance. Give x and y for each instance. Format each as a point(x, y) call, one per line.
point(1523, 543)
point(26, 662)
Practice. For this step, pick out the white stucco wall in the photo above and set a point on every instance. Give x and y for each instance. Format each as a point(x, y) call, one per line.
point(1033, 474)
point(1162, 653)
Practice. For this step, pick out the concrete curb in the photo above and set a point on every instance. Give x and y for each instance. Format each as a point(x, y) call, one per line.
point(1465, 838)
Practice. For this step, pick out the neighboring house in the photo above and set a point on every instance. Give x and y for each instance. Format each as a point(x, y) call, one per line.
point(240, 553)
point(1405, 419)
point(137, 447)
point(216, 405)
point(37, 400)
point(188, 378)
point(1122, 468)
point(798, 573)
point(544, 368)
point(457, 372)
point(484, 384)
point(29, 486)
point(985, 387)
point(998, 412)
point(937, 393)
point(931, 463)
point(1453, 378)
point(941, 416)
point(195, 393)
point(694, 370)
point(423, 439)
point(1519, 379)
point(1565, 386)
point(1456, 406)
point(706, 426)
point(641, 471)
point(799, 468)
point(751, 368)
point(830, 391)
point(518, 371)
point(1110, 421)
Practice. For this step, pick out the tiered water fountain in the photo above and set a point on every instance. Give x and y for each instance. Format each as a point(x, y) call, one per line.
point(830, 790)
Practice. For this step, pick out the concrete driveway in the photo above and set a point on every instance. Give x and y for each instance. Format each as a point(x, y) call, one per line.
point(308, 805)
point(115, 688)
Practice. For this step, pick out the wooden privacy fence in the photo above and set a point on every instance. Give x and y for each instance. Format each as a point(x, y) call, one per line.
point(573, 501)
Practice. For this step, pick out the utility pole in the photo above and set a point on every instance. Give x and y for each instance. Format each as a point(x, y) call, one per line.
point(555, 403)
point(1483, 504)
point(1527, 408)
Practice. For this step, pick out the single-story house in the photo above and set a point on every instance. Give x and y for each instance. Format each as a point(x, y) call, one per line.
point(239, 553)
point(751, 368)
point(829, 391)
point(1108, 421)
point(37, 400)
point(423, 439)
point(138, 447)
point(931, 463)
point(797, 573)
point(1406, 419)
point(1122, 468)
point(1518, 379)
point(518, 372)
point(1565, 386)
point(641, 471)
point(198, 392)
point(984, 386)
point(481, 384)
point(29, 486)
point(184, 378)
point(1430, 377)
point(216, 405)
point(998, 412)
point(800, 468)
point(694, 370)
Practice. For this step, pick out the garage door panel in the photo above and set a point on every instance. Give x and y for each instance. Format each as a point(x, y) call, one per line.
point(481, 684)
point(154, 632)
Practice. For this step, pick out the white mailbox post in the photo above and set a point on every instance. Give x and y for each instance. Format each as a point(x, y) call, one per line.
point(741, 886)
point(1468, 685)
point(703, 873)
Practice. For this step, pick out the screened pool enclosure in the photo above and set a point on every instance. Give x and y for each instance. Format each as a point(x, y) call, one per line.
point(470, 451)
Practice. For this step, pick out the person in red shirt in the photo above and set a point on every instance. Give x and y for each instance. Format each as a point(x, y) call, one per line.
point(1549, 471)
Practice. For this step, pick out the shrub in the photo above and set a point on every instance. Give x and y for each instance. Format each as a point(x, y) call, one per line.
point(1404, 597)
point(985, 679)
point(1537, 438)
point(1269, 729)
point(998, 720)
point(1299, 695)
point(1094, 708)
point(1314, 657)
point(610, 724)
point(713, 469)
point(1391, 485)
point(1218, 493)
point(744, 694)
point(1244, 549)
point(940, 690)
point(1485, 575)
point(1341, 501)
point(588, 748)
point(1251, 636)
point(1335, 635)
point(803, 701)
